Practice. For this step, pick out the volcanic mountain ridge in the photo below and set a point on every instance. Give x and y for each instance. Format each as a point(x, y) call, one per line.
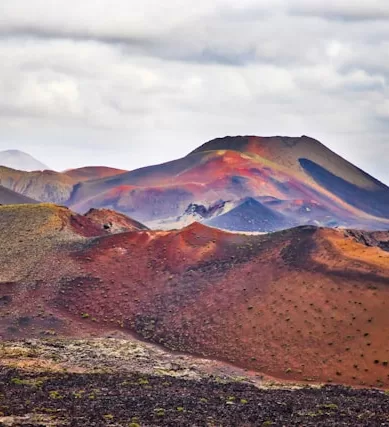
point(295, 172)
point(298, 181)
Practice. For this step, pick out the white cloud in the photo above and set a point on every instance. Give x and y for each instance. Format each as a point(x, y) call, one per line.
point(129, 83)
point(342, 9)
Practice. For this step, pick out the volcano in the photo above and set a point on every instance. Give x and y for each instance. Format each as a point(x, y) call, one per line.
point(297, 180)
point(295, 172)
point(253, 300)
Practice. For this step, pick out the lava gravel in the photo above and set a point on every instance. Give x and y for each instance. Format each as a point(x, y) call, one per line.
point(134, 400)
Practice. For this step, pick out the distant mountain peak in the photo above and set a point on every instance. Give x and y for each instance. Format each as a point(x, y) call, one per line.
point(16, 159)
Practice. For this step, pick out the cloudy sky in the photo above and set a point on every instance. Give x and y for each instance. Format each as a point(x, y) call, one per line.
point(129, 83)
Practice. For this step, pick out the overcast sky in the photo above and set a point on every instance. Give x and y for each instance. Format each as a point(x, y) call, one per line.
point(129, 83)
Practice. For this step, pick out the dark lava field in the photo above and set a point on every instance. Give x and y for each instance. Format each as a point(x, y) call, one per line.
point(142, 400)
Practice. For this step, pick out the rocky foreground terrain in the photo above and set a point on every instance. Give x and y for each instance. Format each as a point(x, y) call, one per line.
point(308, 306)
point(114, 382)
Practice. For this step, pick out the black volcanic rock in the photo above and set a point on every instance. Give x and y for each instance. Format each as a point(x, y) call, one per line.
point(202, 211)
point(379, 239)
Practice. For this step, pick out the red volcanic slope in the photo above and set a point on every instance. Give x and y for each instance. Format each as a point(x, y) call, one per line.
point(153, 202)
point(291, 170)
point(286, 152)
point(113, 221)
point(211, 178)
point(306, 303)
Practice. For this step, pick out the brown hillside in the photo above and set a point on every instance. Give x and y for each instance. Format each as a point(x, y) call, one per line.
point(32, 236)
point(45, 186)
point(50, 186)
point(113, 221)
point(306, 304)
point(92, 172)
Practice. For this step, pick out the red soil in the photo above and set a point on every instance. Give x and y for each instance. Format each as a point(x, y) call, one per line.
point(310, 303)
point(113, 221)
point(304, 304)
